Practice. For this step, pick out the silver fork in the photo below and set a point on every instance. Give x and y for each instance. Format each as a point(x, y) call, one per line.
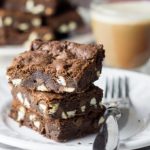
point(117, 101)
point(117, 95)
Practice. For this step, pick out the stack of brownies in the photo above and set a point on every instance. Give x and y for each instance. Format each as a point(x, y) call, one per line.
point(53, 90)
point(22, 21)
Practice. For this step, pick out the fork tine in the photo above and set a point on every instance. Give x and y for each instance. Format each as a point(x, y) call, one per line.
point(120, 87)
point(126, 87)
point(113, 90)
point(106, 88)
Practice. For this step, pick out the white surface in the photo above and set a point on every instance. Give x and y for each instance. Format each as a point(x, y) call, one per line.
point(138, 133)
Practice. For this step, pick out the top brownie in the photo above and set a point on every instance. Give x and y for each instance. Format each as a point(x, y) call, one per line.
point(57, 66)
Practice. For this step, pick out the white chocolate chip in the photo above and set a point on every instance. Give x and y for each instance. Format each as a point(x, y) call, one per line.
point(69, 89)
point(29, 5)
point(8, 21)
point(83, 108)
point(38, 9)
point(23, 26)
point(48, 36)
point(98, 73)
point(21, 114)
point(93, 101)
point(53, 109)
point(100, 104)
point(20, 97)
point(33, 36)
point(37, 124)
point(42, 108)
point(26, 103)
point(32, 117)
point(101, 120)
point(63, 115)
point(72, 25)
point(63, 28)
point(23, 100)
point(42, 88)
point(16, 82)
point(71, 113)
point(36, 22)
point(61, 80)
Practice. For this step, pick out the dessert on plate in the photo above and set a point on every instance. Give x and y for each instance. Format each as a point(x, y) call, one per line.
point(53, 91)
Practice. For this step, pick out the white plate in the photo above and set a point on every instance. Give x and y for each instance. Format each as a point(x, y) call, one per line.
point(136, 133)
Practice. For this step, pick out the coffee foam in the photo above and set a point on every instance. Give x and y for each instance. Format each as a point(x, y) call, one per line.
point(122, 12)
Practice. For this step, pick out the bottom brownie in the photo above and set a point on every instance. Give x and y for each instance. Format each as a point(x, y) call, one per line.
point(57, 129)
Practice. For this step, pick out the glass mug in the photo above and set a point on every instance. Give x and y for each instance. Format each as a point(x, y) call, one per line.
point(123, 27)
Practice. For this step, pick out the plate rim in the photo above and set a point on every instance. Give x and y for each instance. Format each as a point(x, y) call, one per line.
point(10, 139)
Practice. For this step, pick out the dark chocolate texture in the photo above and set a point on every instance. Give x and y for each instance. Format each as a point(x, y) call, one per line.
point(57, 66)
point(60, 106)
point(56, 129)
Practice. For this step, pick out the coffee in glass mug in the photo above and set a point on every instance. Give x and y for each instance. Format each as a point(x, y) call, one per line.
point(124, 30)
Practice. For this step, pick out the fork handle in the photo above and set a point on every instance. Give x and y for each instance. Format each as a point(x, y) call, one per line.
point(108, 136)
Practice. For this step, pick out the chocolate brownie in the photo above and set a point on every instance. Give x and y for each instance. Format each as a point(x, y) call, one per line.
point(7, 35)
point(42, 7)
point(60, 106)
point(58, 66)
point(65, 22)
point(19, 21)
point(57, 129)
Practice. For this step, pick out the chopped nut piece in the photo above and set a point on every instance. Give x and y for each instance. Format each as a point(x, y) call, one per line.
point(16, 82)
point(26, 103)
point(42, 88)
point(72, 26)
point(93, 102)
point(63, 28)
point(98, 73)
point(64, 116)
point(53, 108)
point(69, 89)
point(21, 114)
point(48, 36)
point(83, 108)
point(20, 97)
point(8, 21)
point(101, 120)
point(42, 107)
point(71, 114)
point(36, 22)
point(29, 5)
point(37, 124)
point(23, 26)
point(32, 117)
point(38, 9)
point(61, 80)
